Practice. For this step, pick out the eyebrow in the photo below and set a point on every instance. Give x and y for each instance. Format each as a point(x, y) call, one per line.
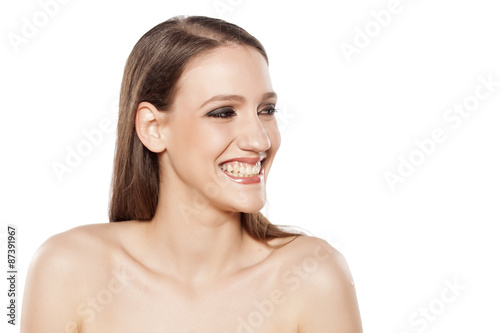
point(237, 98)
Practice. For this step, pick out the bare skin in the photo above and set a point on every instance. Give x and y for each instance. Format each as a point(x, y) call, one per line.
point(94, 279)
point(192, 268)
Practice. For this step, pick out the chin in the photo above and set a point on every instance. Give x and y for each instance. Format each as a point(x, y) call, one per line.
point(250, 211)
point(250, 206)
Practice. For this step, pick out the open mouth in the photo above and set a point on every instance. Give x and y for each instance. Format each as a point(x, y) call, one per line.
point(242, 170)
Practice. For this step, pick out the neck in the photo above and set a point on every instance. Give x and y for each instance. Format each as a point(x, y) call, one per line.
point(194, 241)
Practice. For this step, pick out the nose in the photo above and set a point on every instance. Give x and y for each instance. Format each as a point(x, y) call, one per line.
point(252, 135)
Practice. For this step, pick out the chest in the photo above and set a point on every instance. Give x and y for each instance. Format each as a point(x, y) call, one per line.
point(255, 304)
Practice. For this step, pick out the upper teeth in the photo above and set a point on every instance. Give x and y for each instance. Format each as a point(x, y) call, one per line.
point(240, 169)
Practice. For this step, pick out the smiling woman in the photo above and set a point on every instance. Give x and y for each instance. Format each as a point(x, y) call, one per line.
point(196, 140)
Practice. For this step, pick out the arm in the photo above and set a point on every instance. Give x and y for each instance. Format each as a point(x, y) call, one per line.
point(329, 299)
point(51, 288)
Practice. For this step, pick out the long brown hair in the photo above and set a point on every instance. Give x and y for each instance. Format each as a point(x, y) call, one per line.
point(151, 74)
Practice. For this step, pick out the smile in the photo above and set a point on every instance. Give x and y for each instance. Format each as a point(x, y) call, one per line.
point(243, 172)
point(240, 169)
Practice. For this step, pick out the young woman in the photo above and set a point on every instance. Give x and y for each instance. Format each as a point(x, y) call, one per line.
point(197, 136)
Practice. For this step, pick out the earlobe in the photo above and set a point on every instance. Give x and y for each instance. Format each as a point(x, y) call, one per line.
point(147, 126)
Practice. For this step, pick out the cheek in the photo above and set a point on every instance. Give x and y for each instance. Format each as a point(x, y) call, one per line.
point(274, 135)
point(205, 140)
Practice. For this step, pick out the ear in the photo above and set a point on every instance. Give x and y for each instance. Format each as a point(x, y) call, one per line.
point(147, 126)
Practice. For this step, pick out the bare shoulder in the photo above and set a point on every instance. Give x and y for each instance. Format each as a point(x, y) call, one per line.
point(73, 247)
point(315, 262)
point(310, 248)
point(81, 251)
point(320, 281)
point(62, 273)
point(67, 258)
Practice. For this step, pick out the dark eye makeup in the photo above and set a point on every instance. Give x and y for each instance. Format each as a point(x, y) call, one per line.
point(222, 113)
point(270, 111)
point(226, 113)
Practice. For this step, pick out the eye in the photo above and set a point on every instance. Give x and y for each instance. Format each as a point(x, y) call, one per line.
point(269, 111)
point(222, 113)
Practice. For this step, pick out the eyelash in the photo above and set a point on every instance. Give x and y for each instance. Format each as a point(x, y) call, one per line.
point(225, 111)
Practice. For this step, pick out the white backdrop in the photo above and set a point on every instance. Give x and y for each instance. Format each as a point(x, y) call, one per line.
point(389, 112)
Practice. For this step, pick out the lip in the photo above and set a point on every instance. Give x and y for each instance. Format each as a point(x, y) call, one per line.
point(250, 160)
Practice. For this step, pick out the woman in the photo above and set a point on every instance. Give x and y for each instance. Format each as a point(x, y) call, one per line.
point(197, 136)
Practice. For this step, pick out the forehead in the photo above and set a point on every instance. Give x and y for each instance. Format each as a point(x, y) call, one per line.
point(233, 69)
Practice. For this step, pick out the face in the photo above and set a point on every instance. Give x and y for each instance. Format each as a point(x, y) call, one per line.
point(222, 130)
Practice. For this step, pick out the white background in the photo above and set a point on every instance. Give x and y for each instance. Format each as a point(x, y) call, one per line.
point(344, 124)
